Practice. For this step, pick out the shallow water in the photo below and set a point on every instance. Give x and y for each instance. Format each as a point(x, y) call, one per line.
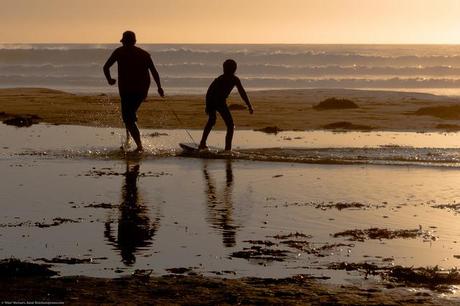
point(398, 148)
point(164, 211)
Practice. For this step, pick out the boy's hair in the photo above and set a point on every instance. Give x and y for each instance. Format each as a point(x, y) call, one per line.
point(229, 66)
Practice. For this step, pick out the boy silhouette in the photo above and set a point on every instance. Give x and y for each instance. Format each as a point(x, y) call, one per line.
point(216, 101)
point(133, 81)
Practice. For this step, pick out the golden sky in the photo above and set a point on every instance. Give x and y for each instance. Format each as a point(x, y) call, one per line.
point(231, 21)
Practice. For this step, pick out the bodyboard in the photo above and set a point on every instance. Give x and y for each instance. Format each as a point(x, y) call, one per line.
point(192, 148)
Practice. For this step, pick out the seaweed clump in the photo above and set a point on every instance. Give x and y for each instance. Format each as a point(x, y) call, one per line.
point(260, 253)
point(431, 277)
point(335, 103)
point(21, 120)
point(13, 267)
point(383, 233)
point(345, 125)
point(269, 130)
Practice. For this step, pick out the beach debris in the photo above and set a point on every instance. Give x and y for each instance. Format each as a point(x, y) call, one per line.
point(71, 260)
point(269, 130)
point(20, 120)
point(291, 235)
point(261, 253)
point(223, 272)
point(13, 267)
point(109, 172)
point(335, 103)
point(101, 205)
point(433, 278)
point(56, 222)
point(157, 134)
point(442, 112)
point(179, 270)
point(19, 224)
point(298, 242)
point(236, 107)
point(369, 268)
point(340, 205)
point(261, 242)
point(345, 125)
point(332, 205)
point(301, 245)
point(453, 207)
point(383, 233)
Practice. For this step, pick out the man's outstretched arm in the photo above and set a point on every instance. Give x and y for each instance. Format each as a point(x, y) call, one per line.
point(243, 95)
point(106, 69)
point(156, 78)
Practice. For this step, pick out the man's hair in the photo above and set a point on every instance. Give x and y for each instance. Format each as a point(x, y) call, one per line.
point(229, 66)
point(129, 38)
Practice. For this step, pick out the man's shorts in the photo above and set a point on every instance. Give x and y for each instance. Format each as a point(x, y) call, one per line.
point(129, 106)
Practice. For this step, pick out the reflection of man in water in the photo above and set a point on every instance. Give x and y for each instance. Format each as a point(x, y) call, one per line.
point(134, 228)
point(220, 209)
point(133, 81)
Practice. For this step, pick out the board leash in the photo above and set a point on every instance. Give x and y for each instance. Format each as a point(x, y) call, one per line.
point(180, 123)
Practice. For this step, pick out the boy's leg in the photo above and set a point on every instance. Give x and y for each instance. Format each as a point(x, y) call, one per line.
point(207, 129)
point(227, 117)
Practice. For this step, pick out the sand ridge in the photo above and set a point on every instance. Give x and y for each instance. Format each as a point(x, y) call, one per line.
point(285, 109)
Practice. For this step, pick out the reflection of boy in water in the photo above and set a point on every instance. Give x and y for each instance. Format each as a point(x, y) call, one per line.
point(216, 101)
point(133, 81)
point(134, 228)
point(221, 211)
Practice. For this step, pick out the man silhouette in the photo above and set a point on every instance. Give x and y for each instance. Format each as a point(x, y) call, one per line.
point(134, 65)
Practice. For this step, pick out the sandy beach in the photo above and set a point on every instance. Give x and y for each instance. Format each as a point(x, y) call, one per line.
point(285, 109)
point(303, 216)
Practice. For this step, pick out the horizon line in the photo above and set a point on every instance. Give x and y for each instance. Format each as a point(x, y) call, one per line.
point(230, 43)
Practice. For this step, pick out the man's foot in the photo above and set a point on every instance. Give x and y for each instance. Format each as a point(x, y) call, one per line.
point(139, 150)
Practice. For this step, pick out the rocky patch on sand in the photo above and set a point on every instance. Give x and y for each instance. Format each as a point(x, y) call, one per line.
point(335, 103)
point(345, 125)
point(269, 130)
point(19, 120)
point(443, 112)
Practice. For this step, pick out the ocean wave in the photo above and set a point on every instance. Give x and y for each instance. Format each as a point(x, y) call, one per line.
point(245, 70)
point(254, 56)
point(50, 80)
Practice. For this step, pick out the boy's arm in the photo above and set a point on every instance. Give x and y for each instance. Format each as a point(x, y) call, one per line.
point(112, 59)
point(243, 95)
point(156, 77)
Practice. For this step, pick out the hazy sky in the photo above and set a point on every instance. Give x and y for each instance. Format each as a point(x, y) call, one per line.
point(231, 21)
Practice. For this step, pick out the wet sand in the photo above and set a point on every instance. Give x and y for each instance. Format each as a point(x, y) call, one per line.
point(285, 109)
point(197, 290)
point(230, 219)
